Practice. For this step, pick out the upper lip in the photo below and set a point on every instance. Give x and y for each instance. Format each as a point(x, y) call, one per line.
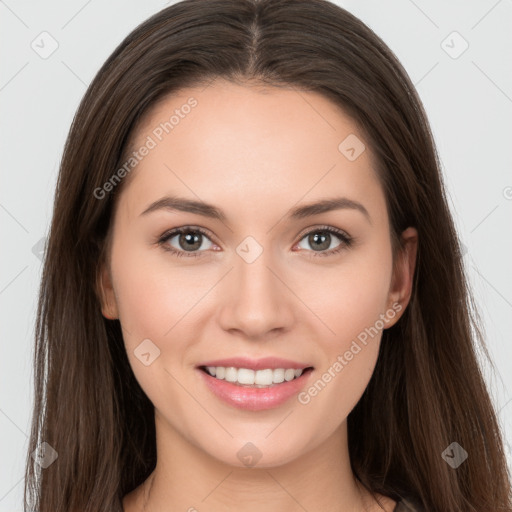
point(256, 364)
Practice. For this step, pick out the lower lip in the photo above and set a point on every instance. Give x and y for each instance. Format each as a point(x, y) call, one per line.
point(255, 399)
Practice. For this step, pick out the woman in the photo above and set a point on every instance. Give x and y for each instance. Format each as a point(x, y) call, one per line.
point(253, 292)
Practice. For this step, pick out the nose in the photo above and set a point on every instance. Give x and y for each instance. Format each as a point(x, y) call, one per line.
point(256, 299)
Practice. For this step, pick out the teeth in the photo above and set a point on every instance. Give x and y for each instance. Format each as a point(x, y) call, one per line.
point(248, 377)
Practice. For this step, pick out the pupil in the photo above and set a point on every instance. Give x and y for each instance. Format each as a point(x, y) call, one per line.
point(322, 245)
point(190, 241)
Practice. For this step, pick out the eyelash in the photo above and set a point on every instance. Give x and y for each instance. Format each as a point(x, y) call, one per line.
point(346, 241)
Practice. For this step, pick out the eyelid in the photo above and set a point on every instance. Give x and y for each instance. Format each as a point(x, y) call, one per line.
point(170, 233)
point(323, 227)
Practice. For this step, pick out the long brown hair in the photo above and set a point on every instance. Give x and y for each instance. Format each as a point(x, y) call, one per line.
point(427, 390)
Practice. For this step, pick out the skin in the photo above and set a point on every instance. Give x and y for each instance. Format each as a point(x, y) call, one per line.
point(255, 153)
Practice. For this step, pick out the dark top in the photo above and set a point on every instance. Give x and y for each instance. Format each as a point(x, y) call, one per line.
point(408, 505)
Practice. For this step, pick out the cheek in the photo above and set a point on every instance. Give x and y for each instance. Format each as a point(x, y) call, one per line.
point(357, 297)
point(152, 291)
point(142, 298)
point(157, 300)
point(359, 301)
point(357, 305)
point(153, 299)
point(148, 298)
point(351, 297)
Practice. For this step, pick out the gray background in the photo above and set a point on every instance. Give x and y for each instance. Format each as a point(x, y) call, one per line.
point(468, 98)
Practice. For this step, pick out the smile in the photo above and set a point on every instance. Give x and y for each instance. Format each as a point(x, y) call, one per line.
point(260, 395)
point(259, 378)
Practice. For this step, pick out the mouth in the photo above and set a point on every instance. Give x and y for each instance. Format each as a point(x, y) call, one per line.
point(257, 391)
point(248, 378)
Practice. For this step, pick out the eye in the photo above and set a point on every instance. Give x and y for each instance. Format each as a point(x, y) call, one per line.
point(188, 239)
point(321, 239)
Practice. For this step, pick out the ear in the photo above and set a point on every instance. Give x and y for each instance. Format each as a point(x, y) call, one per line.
point(105, 291)
point(403, 273)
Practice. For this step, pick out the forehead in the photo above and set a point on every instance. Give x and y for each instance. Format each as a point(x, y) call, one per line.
point(252, 144)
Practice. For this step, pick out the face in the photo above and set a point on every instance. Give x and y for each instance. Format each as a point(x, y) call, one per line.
point(262, 278)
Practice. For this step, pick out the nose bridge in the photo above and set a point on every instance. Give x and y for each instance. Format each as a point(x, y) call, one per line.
point(258, 301)
point(255, 278)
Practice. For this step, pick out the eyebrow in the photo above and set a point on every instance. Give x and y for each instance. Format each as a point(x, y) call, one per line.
point(208, 210)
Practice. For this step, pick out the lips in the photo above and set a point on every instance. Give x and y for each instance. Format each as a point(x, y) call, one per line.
point(251, 398)
point(256, 364)
point(254, 398)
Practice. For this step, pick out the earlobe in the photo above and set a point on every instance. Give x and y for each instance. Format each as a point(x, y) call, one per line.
point(106, 294)
point(403, 272)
